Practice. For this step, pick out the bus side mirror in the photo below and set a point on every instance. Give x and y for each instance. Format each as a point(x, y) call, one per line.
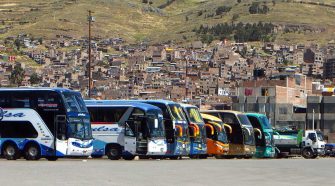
point(1, 114)
point(192, 131)
point(260, 135)
point(179, 131)
point(209, 130)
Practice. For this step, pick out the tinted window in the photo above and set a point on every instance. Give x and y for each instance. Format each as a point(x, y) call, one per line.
point(50, 101)
point(20, 100)
point(4, 100)
point(194, 115)
point(236, 136)
point(164, 109)
point(106, 114)
point(17, 129)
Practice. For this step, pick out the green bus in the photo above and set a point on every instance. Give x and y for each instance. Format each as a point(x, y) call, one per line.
point(265, 147)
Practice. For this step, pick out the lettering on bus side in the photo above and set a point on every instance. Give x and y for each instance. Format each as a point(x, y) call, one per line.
point(104, 128)
point(15, 115)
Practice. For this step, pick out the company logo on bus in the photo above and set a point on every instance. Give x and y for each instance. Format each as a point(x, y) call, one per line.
point(10, 114)
point(104, 128)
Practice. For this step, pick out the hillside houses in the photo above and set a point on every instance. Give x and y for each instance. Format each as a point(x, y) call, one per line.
point(163, 71)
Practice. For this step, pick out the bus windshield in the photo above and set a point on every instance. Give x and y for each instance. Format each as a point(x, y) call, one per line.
point(155, 124)
point(266, 123)
point(222, 136)
point(79, 128)
point(195, 116)
point(74, 102)
point(176, 112)
point(244, 120)
point(248, 135)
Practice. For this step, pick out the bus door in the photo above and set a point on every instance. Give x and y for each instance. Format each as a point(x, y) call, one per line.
point(129, 138)
point(135, 131)
point(49, 106)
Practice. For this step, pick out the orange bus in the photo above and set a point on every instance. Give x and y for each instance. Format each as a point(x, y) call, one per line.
point(217, 142)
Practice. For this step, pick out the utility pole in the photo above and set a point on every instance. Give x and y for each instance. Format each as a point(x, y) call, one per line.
point(90, 19)
point(186, 71)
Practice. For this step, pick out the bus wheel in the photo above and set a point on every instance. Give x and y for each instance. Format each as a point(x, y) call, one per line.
point(10, 151)
point(96, 156)
point(174, 157)
point(51, 158)
point(113, 152)
point(218, 157)
point(32, 152)
point(203, 156)
point(194, 156)
point(128, 157)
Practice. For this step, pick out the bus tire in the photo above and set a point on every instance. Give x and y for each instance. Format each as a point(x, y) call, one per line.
point(194, 156)
point(113, 152)
point(51, 158)
point(203, 156)
point(218, 157)
point(96, 156)
point(174, 157)
point(32, 152)
point(128, 157)
point(10, 151)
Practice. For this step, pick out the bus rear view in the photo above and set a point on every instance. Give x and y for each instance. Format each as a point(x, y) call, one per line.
point(44, 122)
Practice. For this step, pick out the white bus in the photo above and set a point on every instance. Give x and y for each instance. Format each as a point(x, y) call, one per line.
point(126, 129)
point(43, 122)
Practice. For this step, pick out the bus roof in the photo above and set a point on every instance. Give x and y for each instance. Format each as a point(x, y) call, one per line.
point(165, 102)
point(222, 111)
point(37, 89)
point(141, 105)
point(187, 105)
point(210, 117)
point(255, 114)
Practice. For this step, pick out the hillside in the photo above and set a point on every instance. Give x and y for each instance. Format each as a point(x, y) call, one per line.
point(161, 21)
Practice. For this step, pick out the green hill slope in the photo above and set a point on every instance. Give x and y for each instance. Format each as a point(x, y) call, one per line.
point(297, 22)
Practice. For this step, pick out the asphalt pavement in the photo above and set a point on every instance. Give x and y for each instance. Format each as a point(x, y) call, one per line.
point(235, 172)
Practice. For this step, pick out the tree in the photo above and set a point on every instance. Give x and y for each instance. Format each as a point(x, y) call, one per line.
point(17, 75)
point(17, 44)
point(40, 40)
point(35, 79)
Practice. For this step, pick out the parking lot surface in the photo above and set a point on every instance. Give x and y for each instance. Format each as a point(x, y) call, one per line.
point(282, 172)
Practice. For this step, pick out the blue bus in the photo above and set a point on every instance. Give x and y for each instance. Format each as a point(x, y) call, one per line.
point(43, 122)
point(198, 138)
point(176, 128)
point(126, 129)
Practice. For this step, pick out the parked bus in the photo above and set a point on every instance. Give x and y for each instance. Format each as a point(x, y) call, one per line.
point(263, 135)
point(43, 122)
point(176, 128)
point(241, 140)
point(217, 142)
point(197, 131)
point(126, 129)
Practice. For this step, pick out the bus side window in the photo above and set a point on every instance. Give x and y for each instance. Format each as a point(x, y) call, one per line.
point(17, 129)
point(4, 100)
point(20, 100)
